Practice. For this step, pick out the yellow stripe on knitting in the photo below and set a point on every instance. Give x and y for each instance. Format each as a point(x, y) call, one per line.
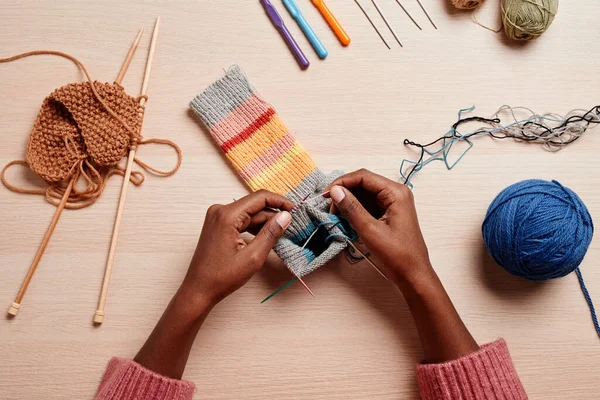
point(258, 143)
point(292, 167)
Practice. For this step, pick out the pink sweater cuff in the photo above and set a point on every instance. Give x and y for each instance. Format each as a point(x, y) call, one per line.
point(127, 380)
point(486, 374)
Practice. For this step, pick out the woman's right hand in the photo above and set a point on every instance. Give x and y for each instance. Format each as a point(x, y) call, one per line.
point(383, 214)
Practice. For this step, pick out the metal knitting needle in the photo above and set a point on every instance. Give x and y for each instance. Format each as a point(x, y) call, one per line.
point(293, 190)
point(295, 207)
point(319, 196)
point(295, 279)
point(366, 258)
point(407, 13)
point(387, 23)
point(129, 57)
point(279, 290)
point(310, 237)
point(302, 282)
point(426, 13)
point(372, 24)
point(99, 314)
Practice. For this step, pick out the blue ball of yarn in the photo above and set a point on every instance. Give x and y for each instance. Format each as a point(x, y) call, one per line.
point(538, 229)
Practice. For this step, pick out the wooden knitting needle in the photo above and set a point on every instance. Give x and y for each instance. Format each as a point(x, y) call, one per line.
point(16, 305)
point(99, 314)
point(129, 57)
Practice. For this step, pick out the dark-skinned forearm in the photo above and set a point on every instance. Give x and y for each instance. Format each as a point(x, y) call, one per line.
point(167, 349)
point(443, 334)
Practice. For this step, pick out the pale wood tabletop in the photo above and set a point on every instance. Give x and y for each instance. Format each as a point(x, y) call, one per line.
point(355, 340)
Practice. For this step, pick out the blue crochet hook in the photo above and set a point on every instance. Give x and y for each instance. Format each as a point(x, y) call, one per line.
point(295, 12)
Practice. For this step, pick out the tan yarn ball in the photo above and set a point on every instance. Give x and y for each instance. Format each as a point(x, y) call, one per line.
point(527, 19)
point(467, 4)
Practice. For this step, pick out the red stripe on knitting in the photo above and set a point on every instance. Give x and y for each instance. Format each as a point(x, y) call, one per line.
point(249, 131)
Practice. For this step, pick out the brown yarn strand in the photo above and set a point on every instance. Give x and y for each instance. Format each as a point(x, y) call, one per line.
point(157, 171)
point(99, 314)
point(17, 189)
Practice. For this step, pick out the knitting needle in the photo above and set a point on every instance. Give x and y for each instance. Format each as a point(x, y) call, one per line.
point(310, 237)
point(295, 207)
point(302, 282)
point(99, 314)
point(407, 13)
point(16, 305)
point(316, 197)
point(279, 290)
point(366, 258)
point(292, 189)
point(129, 57)
point(295, 279)
point(386, 22)
point(372, 24)
point(426, 13)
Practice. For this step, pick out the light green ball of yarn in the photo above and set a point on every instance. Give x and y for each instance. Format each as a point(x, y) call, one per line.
point(527, 19)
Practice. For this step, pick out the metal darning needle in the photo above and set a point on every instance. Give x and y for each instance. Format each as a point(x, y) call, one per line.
point(387, 23)
point(407, 13)
point(372, 24)
point(426, 13)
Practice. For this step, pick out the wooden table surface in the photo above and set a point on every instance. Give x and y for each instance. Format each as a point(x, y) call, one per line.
point(355, 340)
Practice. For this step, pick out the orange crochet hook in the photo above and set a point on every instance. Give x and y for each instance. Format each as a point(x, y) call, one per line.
point(333, 22)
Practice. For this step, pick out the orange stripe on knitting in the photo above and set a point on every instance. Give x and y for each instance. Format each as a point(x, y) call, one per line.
point(239, 119)
point(249, 131)
point(291, 168)
point(261, 141)
point(267, 158)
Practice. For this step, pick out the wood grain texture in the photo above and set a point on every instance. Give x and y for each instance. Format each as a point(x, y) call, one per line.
point(355, 339)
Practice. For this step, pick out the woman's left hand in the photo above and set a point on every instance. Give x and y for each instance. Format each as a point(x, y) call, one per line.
point(222, 263)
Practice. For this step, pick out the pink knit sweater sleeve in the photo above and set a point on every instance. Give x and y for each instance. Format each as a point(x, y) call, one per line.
point(127, 380)
point(486, 374)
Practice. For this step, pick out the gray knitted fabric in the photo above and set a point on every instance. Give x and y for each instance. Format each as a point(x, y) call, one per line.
point(267, 156)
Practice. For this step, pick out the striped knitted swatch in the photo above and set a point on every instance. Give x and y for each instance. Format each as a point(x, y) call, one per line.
point(267, 156)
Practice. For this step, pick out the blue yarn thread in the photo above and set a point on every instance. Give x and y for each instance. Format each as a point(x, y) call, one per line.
point(539, 230)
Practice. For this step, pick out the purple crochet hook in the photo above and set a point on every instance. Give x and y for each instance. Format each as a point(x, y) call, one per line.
point(285, 33)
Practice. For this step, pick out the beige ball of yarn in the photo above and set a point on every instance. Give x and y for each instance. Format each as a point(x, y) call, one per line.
point(527, 19)
point(467, 4)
